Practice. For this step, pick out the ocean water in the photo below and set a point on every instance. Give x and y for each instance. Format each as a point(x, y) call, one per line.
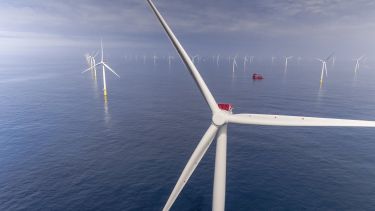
point(63, 147)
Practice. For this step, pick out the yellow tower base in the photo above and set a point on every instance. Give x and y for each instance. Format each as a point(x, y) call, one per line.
point(105, 92)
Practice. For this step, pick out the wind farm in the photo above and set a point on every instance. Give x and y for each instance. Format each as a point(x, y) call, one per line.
point(230, 105)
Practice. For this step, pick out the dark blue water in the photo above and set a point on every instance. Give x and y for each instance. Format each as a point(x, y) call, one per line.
point(62, 147)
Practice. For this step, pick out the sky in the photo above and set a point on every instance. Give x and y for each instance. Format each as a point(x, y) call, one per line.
point(245, 27)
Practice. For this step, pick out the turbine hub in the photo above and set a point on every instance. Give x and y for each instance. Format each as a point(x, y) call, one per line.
point(219, 118)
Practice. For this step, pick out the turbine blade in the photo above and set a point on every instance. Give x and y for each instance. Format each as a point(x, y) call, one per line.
point(101, 46)
point(111, 69)
point(296, 121)
point(329, 57)
point(192, 164)
point(188, 63)
point(90, 68)
point(97, 52)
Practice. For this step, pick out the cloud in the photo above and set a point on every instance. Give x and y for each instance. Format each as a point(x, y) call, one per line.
point(130, 23)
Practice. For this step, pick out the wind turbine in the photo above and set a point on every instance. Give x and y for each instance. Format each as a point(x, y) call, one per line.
point(170, 61)
point(358, 61)
point(234, 63)
point(221, 117)
point(217, 60)
point(196, 56)
point(251, 59)
point(155, 57)
point(104, 66)
point(286, 62)
point(324, 67)
point(91, 62)
point(245, 60)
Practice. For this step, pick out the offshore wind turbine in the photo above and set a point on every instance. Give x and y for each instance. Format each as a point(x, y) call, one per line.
point(91, 62)
point(324, 67)
point(155, 57)
point(221, 117)
point(170, 61)
point(245, 60)
point(217, 60)
point(358, 61)
point(196, 56)
point(234, 63)
point(286, 62)
point(104, 66)
point(251, 59)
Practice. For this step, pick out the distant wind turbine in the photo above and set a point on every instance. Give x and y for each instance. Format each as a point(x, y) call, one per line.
point(91, 62)
point(104, 65)
point(286, 62)
point(217, 60)
point(222, 116)
point(358, 61)
point(234, 63)
point(245, 60)
point(170, 61)
point(196, 57)
point(155, 57)
point(251, 59)
point(324, 67)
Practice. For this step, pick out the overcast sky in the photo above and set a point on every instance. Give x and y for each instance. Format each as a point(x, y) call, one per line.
point(257, 27)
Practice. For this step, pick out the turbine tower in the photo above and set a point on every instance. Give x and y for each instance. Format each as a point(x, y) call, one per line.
point(324, 67)
point(286, 62)
point(104, 66)
point(221, 117)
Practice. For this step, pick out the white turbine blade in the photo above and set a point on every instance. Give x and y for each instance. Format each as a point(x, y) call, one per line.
point(319, 59)
point(188, 63)
point(360, 58)
point(101, 46)
point(330, 56)
point(111, 69)
point(97, 52)
point(296, 121)
point(90, 68)
point(192, 164)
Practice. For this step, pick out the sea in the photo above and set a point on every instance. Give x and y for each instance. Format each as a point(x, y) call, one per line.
point(63, 146)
